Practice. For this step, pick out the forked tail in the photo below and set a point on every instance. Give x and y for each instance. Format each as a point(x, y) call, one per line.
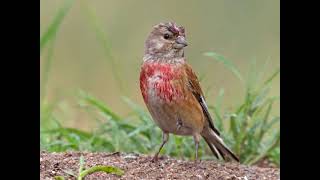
point(217, 145)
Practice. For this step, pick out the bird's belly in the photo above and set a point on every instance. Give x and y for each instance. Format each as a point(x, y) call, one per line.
point(167, 115)
point(169, 122)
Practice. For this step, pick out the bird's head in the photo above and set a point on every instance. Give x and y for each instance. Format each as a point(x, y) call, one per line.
point(166, 40)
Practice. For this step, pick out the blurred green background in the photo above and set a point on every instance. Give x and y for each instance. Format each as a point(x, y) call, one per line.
point(239, 30)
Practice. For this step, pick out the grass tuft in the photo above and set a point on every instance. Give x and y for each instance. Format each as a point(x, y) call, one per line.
point(51, 31)
point(82, 172)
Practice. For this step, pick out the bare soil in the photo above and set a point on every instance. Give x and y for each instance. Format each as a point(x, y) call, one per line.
point(138, 166)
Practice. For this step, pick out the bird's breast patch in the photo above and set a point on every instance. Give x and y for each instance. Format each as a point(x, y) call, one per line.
point(157, 81)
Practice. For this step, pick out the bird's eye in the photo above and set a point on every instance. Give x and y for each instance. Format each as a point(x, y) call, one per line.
point(166, 36)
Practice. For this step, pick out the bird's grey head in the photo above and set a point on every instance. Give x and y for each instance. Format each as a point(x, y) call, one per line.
point(166, 40)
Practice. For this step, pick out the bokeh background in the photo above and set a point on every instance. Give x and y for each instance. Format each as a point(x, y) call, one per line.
point(239, 30)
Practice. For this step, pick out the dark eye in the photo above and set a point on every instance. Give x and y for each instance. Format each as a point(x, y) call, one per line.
point(166, 36)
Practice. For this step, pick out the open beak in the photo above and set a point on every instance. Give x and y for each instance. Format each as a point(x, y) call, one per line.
point(181, 42)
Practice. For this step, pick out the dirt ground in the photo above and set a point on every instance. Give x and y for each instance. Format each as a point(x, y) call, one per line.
point(140, 167)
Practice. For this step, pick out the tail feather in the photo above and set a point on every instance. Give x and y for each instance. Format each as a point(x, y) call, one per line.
point(217, 145)
point(213, 149)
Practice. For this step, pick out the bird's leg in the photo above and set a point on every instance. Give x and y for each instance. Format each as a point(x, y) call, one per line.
point(196, 139)
point(165, 137)
point(179, 124)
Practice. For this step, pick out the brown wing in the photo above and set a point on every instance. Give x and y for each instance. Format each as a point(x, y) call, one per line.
point(194, 86)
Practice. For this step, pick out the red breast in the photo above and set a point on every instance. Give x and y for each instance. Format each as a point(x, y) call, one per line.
point(160, 77)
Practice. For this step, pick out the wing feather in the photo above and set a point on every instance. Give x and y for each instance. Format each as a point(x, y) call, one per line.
point(194, 86)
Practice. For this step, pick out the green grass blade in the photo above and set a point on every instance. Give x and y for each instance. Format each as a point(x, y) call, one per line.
point(268, 126)
point(260, 98)
point(47, 67)
point(105, 43)
point(106, 169)
point(226, 62)
point(139, 129)
point(263, 70)
point(46, 115)
point(270, 79)
point(55, 24)
point(263, 128)
point(233, 127)
point(81, 164)
point(59, 178)
point(69, 172)
point(98, 104)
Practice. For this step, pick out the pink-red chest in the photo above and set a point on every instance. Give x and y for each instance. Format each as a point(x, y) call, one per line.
point(160, 81)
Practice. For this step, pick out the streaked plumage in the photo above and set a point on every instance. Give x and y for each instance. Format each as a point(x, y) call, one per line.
point(172, 92)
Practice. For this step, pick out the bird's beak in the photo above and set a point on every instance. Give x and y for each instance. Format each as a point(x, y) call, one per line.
point(181, 41)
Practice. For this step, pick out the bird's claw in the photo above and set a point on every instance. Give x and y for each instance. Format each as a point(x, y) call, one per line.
point(179, 124)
